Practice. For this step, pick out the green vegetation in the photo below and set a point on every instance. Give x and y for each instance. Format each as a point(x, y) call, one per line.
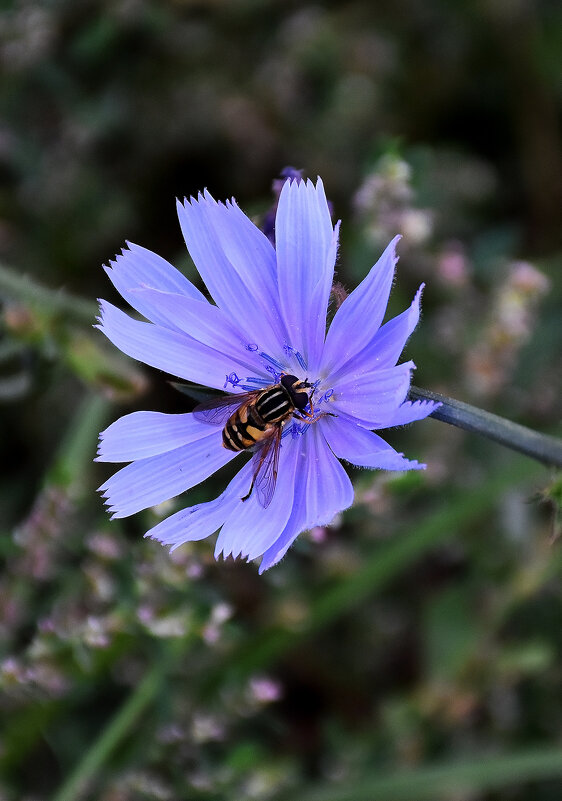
point(411, 651)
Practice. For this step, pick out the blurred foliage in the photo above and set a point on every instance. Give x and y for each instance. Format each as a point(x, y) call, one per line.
point(413, 649)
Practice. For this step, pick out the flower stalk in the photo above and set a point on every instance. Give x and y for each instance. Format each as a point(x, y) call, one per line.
point(541, 447)
point(51, 301)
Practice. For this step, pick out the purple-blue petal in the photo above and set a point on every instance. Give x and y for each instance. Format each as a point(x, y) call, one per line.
point(410, 411)
point(170, 351)
point(208, 325)
point(371, 399)
point(236, 262)
point(360, 315)
point(136, 266)
point(150, 481)
point(250, 529)
point(328, 488)
point(363, 448)
point(200, 521)
point(323, 490)
point(385, 347)
point(143, 434)
point(270, 310)
point(306, 246)
point(295, 525)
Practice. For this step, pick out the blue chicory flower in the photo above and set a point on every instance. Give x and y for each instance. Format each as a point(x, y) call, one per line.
point(268, 318)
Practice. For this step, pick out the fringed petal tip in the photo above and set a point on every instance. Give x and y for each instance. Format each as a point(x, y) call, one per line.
point(112, 510)
point(413, 464)
point(277, 552)
point(418, 296)
point(99, 451)
point(203, 197)
point(410, 412)
point(172, 543)
point(224, 551)
point(220, 553)
point(390, 250)
point(103, 456)
point(105, 493)
point(110, 507)
point(171, 546)
point(102, 313)
point(228, 548)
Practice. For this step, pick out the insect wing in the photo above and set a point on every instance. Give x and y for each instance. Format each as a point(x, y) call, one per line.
point(217, 410)
point(266, 461)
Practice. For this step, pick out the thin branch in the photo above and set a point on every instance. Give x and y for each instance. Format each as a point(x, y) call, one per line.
point(26, 289)
point(541, 447)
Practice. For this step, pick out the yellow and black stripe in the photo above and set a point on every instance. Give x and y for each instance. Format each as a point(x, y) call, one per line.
point(274, 405)
point(243, 430)
point(252, 422)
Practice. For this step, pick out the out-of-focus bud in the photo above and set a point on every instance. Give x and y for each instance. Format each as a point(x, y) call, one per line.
point(511, 321)
point(452, 265)
point(268, 221)
point(385, 204)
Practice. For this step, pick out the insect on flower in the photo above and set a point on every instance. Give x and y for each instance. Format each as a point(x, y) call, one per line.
point(257, 422)
point(301, 398)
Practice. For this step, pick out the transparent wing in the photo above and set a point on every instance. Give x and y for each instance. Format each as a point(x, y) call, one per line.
point(266, 461)
point(217, 410)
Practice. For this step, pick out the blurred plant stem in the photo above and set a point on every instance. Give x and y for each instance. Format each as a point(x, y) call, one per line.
point(73, 461)
point(122, 723)
point(448, 780)
point(541, 447)
point(49, 523)
point(59, 325)
point(59, 301)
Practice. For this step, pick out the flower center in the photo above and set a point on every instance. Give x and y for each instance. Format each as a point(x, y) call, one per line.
point(293, 364)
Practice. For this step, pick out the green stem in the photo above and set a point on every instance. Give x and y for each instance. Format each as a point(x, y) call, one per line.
point(74, 458)
point(26, 289)
point(432, 782)
point(120, 725)
point(541, 447)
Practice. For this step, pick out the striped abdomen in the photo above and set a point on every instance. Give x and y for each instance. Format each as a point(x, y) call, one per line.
point(253, 422)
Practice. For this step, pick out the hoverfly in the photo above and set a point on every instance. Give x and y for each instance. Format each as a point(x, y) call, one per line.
point(255, 420)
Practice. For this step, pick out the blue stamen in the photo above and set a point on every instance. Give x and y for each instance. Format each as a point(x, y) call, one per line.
point(314, 387)
point(274, 373)
point(251, 347)
point(258, 382)
point(325, 397)
point(298, 430)
point(233, 379)
point(289, 350)
point(272, 361)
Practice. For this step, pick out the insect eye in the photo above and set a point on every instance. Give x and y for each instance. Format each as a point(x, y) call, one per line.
point(300, 399)
point(288, 381)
